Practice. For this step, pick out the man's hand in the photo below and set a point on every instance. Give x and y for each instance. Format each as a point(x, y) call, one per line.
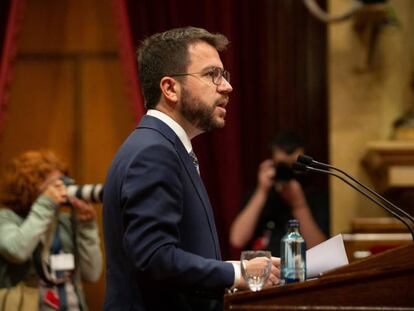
point(274, 277)
point(261, 263)
point(265, 175)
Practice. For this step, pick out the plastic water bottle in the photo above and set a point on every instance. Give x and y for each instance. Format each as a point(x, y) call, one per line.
point(293, 255)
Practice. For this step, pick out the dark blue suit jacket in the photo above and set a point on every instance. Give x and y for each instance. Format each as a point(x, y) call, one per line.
point(161, 243)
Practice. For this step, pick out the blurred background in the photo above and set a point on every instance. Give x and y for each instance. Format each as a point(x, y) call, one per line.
point(345, 82)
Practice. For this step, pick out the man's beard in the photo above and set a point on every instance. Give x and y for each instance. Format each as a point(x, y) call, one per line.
point(198, 112)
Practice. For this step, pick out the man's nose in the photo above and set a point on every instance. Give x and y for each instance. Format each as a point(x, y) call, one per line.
point(224, 86)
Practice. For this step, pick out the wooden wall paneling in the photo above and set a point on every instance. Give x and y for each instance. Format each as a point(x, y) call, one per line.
point(40, 112)
point(68, 26)
point(106, 122)
point(107, 119)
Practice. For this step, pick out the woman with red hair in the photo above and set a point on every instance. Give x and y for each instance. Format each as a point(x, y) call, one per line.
point(41, 247)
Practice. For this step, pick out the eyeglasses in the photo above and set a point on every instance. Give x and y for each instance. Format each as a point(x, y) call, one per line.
point(216, 73)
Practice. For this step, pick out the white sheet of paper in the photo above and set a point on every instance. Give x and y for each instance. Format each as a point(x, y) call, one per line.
point(326, 256)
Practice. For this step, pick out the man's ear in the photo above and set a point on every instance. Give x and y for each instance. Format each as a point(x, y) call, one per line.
point(170, 89)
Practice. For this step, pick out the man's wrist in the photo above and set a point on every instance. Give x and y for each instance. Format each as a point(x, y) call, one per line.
point(237, 274)
point(299, 207)
point(261, 191)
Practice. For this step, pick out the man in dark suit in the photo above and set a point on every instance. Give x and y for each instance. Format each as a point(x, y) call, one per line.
point(162, 247)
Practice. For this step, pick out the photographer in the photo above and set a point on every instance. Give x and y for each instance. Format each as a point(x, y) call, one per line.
point(278, 197)
point(45, 253)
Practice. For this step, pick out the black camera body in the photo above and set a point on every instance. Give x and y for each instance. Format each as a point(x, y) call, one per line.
point(284, 172)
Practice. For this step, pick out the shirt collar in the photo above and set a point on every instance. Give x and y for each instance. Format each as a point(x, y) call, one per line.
point(178, 130)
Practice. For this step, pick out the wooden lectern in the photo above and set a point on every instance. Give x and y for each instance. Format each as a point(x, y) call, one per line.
point(381, 282)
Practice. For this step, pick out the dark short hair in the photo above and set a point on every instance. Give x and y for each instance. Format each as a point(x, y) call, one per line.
point(287, 140)
point(167, 53)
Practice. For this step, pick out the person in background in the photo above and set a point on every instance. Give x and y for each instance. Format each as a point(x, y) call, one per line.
point(278, 197)
point(161, 242)
point(42, 248)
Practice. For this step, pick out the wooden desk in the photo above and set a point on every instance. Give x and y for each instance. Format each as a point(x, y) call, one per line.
point(380, 282)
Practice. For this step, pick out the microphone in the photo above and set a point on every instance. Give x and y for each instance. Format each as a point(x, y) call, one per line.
point(304, 165)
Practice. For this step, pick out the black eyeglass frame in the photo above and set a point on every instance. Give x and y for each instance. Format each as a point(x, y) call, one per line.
point(216, 74)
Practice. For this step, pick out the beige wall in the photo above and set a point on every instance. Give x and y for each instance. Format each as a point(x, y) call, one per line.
point(364, 101)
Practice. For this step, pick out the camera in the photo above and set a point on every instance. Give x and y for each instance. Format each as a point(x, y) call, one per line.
point(88, 192)
point(284, 172)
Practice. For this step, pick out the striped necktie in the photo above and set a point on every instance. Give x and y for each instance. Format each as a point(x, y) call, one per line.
point(195, 160)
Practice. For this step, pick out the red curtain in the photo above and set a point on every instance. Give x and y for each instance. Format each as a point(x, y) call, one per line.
point(277, 62)
point(127, 54)
point(11, 13)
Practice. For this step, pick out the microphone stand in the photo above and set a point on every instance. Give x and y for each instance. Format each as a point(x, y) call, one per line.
point(372, 195)
point(309, 162)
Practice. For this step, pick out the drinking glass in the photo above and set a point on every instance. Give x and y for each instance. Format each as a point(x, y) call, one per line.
point(255, 268)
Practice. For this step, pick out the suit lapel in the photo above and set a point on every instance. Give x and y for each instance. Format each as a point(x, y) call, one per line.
point(164, 129)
